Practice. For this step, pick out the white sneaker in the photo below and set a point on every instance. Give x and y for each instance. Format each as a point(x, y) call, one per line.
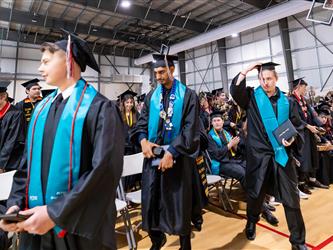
point(303, 195)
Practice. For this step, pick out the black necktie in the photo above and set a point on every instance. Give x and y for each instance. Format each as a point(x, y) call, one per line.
point(57, 102)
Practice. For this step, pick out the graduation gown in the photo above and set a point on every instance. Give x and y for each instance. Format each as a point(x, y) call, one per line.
point(130, 148)
point(231, 166)
point(167, 197)
point(260, 154)
point(309, 157)
point(27, 107)
point(88, 211)
point(11, 139)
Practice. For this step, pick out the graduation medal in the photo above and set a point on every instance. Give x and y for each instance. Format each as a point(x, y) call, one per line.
point(167, 116)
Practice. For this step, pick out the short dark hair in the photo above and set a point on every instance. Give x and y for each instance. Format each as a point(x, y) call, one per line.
point(52, 47)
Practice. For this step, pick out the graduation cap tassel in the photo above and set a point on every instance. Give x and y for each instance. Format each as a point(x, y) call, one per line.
point(69, 58)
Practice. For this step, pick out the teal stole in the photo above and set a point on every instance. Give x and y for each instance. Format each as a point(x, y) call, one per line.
point(271, 123)
point(215, 165)
point(66, 153)
point(154, 113)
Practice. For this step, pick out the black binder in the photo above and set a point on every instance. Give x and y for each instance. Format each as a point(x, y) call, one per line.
point(285, 131)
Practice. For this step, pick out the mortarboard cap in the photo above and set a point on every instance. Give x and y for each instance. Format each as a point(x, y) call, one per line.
point(268, 66)
point(217, 91)
point(3, 86)
point(159, 60)
point(323, 112)
point(81, 51)
point(127, 93)
point(298, 81)
point(10, 100)
point(30, 83)
point(46, 92)
point(217, 113)
point(141, 98)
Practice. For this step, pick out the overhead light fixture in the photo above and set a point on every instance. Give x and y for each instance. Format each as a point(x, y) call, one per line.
point(94, 29)
point(234, 35)
point(125, 4)
point(34, 20)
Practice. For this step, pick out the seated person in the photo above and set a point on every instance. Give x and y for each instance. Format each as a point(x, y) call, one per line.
point(227, 154)
point(223, 149)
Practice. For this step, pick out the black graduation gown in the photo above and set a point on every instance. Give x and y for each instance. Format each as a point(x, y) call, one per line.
point(309, 157)
point(11, 139)
point(88, 211)
point(130, 148)
point(27, 107)
point(260, 154)
point(167, 197)
point(231, 166)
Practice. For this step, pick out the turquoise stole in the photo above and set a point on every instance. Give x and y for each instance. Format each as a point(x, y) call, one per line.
point(215, 167)
point(66, 154)
point(271, 123)
point(154, 113)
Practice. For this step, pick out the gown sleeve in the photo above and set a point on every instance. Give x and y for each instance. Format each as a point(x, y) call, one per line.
point(215, 152)
point(188, 141)
point(240, 93)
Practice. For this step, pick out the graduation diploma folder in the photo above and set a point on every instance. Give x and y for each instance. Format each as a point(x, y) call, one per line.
point(285, 131)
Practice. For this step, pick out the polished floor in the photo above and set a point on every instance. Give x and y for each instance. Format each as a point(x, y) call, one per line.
point(224, 230)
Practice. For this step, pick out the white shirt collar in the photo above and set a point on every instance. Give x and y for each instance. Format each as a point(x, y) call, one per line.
point(66, 93)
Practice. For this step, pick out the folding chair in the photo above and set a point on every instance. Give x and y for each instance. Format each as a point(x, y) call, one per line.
point(217, 182)
point(6, 181)
point(132, 165)
point(121, 207)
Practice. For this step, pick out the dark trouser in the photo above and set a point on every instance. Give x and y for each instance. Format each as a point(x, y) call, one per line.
point(293, 215)
point(156, 238)
point(234, 170)
point(50, 241)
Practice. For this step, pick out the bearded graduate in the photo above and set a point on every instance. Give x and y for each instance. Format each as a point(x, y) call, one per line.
point(170, 116)
point(67, 181)
point(270, 164)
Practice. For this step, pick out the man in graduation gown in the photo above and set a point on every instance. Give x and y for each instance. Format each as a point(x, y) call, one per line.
point(11, 143)
point(309, 158)
point(228, 157)
point(68, 177)
point(27, 105)
point(11, 132)
point(270, 165)
point(170, 116)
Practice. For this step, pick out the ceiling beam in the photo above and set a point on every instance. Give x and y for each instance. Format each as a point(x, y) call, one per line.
point(260, 4)
point(138, 11)
point(14, 35)
point(26, 18)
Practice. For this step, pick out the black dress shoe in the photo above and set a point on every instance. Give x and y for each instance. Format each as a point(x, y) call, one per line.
point(250, 230)
point(317, 184)
point(304, 188)
point(198, 226)
point(299, 247)
point(270, 218)
point(269, 207)
point(158, 245)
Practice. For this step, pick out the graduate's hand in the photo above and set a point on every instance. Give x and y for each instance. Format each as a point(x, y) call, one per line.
point(313, 129)
point(38, 223)
point(147, 148)
point(233, 142)
point(233, 125)
point(253, 66)
point(166, 162)
point(9, 227)
point(288, 143)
